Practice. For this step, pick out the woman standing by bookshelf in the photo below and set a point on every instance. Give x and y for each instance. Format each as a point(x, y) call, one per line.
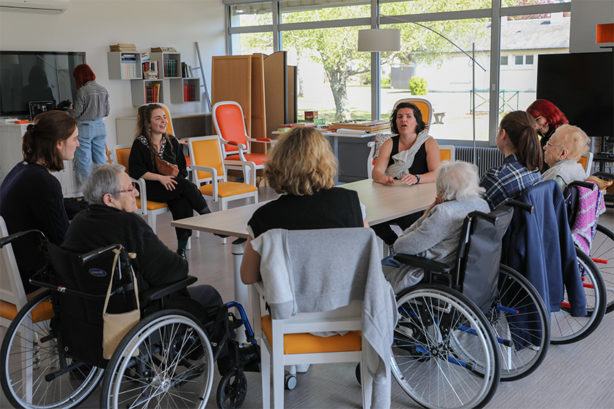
point(91, 105)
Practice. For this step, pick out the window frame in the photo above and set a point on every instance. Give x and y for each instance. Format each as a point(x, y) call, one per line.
point(495, 13)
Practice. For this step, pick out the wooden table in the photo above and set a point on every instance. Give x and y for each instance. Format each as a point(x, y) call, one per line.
point(383, 203)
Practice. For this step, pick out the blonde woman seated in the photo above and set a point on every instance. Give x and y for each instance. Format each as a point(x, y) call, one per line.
point(302, 167)
point(435, 235)
point(562, 153)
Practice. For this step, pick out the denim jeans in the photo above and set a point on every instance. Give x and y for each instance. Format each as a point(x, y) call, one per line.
point(92, 139)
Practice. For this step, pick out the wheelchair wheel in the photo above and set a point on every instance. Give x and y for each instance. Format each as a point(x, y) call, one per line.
point(520, 322)
point(444, 353)
point(232, 390)
point(163, 361)
point(602, 253)
point(35, 371)
point(565, 328)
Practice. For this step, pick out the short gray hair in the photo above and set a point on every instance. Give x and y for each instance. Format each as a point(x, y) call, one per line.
point(458, 180)
point(103, 179)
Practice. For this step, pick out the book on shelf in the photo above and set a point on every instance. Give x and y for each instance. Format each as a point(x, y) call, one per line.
point(170, 68)
point(163, 50)
point(152, 92)
point(122, 47)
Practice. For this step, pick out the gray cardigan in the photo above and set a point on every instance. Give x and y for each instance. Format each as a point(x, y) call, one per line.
point(435, 237)
point(322, 270)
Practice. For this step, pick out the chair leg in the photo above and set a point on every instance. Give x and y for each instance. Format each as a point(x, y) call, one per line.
point(277, 364)
point(265, 373)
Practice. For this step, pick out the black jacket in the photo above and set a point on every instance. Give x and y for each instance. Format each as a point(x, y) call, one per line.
point(100, 226)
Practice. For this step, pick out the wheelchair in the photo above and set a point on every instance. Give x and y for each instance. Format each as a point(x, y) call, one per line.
point(464, 328)
point(565, 327)
point(52, 351)
point(602, 247)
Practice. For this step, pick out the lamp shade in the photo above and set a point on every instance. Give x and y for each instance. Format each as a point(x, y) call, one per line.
point(379, 39)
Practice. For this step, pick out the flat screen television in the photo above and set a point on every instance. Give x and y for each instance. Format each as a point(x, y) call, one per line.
point(36, 76)
point(582, 86)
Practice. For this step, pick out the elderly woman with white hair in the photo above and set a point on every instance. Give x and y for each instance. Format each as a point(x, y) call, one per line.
point(435, 235)
point(562, 153)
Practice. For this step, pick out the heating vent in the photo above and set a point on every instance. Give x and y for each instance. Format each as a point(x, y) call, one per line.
point(486, 157)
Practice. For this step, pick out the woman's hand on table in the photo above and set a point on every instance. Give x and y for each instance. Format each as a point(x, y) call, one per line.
point(409, 179)
point(168, 182)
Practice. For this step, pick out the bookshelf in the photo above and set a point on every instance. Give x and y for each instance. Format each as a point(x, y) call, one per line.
point(124, 65)
point(146, 91)
point(185, 90)
point(169, 64)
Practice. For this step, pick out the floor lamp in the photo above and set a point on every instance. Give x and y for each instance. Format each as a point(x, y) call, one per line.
point(389, 39)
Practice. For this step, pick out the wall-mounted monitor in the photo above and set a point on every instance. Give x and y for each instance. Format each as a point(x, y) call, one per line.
point(582, 86)
point(27, 76)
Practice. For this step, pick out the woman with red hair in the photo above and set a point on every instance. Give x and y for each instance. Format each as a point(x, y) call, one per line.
point(91, 105)
point(548, 117)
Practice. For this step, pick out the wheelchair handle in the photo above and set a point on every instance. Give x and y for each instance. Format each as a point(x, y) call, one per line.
point(522, 205)
point(587, 185)
point(95, 253)
point(482, 215)
point(6, 240)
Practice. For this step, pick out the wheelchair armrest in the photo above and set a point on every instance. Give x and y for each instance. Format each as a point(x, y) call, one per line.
point(424, 263)
point(517, 203)
point(158, 292)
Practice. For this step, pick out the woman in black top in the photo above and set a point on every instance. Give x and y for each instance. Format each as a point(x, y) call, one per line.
point(411, 156)
point(302, 167)
point(30, 196)
point(182, 196)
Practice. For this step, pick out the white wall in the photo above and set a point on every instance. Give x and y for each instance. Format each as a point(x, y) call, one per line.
point(92, 25)
point(585, 15)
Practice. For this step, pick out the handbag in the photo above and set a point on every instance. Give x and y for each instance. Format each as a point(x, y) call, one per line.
point(166, 168)
point(116, 326)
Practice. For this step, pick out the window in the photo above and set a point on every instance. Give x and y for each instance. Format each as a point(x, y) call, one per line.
point(518, 85)
point(442, 74)
point(330, 72)
point(320, 37)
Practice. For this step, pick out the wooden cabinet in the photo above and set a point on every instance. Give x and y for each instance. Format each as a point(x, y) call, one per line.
point(124, 65)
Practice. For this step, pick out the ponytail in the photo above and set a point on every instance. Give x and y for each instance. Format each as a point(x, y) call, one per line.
point(520, 127)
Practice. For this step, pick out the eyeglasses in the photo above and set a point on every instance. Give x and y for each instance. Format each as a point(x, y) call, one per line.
point(130, 189)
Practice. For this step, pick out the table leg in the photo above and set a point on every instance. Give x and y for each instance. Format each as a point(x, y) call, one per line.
point(241, 290)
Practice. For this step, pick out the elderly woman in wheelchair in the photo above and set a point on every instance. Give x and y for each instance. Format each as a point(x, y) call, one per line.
point(465, 320)
point(62, 343)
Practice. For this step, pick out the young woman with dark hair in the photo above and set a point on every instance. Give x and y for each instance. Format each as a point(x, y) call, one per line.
point(517, 140)
point(30, 196)
point(411, 156)
point(548, 117)
point(91, 105)
point(182, 196)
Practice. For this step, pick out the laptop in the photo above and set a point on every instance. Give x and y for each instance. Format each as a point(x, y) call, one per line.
point(36, 107)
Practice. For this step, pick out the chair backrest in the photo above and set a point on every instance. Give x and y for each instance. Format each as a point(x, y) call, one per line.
point(169, 126)
point(584, 205)
point(479, 254)
point(586, 161)
point(423, 105)
point(230, 124)
point(12, 293)
point(206, 151)
point(447, 153)
point(121, 155)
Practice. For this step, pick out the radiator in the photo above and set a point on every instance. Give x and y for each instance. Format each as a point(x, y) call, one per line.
point(486, 157)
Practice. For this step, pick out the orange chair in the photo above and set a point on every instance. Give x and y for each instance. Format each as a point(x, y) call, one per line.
point(209, 166)
point(230, 126)
point(147, 208)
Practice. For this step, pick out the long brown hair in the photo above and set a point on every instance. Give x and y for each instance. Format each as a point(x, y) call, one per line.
point(520, 127)
point(143, 127)
point(41, 139)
